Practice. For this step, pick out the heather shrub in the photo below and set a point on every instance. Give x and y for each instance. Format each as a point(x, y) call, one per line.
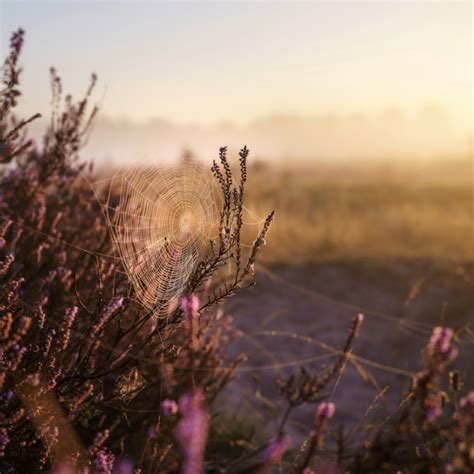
point(83, 365)
point(431, 430)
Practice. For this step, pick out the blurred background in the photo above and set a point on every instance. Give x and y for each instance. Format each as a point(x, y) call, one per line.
point(304, 81)
point(359, 120)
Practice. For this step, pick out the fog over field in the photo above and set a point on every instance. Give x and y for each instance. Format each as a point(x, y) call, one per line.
point(427, 133)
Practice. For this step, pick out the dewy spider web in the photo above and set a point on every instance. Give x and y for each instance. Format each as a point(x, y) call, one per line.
point(161, 224)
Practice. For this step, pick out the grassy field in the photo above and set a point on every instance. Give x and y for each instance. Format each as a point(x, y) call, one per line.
point(337, 212)
point(393, 242)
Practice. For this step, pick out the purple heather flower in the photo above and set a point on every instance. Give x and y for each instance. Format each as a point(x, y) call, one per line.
point(64, 273)
point(191, 431)
point(169, 407)
point(34, 379)
point(54, 379)
point(151, 432)
point(5, 264)
point(62, 257)
point(49, 340)
point(275, 450)
point(432, 415)
point(104, 462)
point(17, 356)
point(325, 411)
point(68, 321)
point(440, 344)
point(190, 308)
point(4, 440)
point(124, 467)
point(190, 305)
point(467, 403)
point(114, 306)
point(41, 317)
point(99, 397)
point(100, 438)
point(51, 276)
point(432, 409)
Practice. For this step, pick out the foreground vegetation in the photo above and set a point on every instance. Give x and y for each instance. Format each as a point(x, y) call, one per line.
point(93, 382)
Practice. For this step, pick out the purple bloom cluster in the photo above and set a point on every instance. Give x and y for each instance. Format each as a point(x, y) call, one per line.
point(467, 403)
point(432, 408)
point(151, 432)
point(104, 462)
point(99, 440)
point(169, 407)
point(190, 308)
point(5, 264)
point(275, 450)
point(4, 440)
point(190, 305)
point(325, 412)
point(440, 344)
point(124, 467)
point(69, 318)
point(108, 312)
point(191, 431)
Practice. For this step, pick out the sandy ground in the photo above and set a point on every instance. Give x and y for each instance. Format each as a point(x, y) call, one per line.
point(293, 309)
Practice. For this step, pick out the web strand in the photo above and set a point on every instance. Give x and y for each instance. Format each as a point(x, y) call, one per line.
point(160, 227)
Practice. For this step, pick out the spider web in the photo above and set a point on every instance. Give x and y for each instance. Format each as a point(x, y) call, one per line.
point(161, 221)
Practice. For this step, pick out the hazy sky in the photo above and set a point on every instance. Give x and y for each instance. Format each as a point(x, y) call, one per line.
point(206, 62)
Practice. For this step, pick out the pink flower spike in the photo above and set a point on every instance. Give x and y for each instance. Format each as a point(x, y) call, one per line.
point(275, 450)
point(191, 431)
point(190, 305)
point(325, 411)
point(169, 407)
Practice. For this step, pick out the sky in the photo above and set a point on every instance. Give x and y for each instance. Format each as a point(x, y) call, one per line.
point(213, 63)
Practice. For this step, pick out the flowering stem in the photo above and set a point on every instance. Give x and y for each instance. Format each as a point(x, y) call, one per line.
point(284, 419)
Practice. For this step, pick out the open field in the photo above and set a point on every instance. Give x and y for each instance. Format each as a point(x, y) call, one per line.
point(344, 212)
point(294, 309)
point(396, 245)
